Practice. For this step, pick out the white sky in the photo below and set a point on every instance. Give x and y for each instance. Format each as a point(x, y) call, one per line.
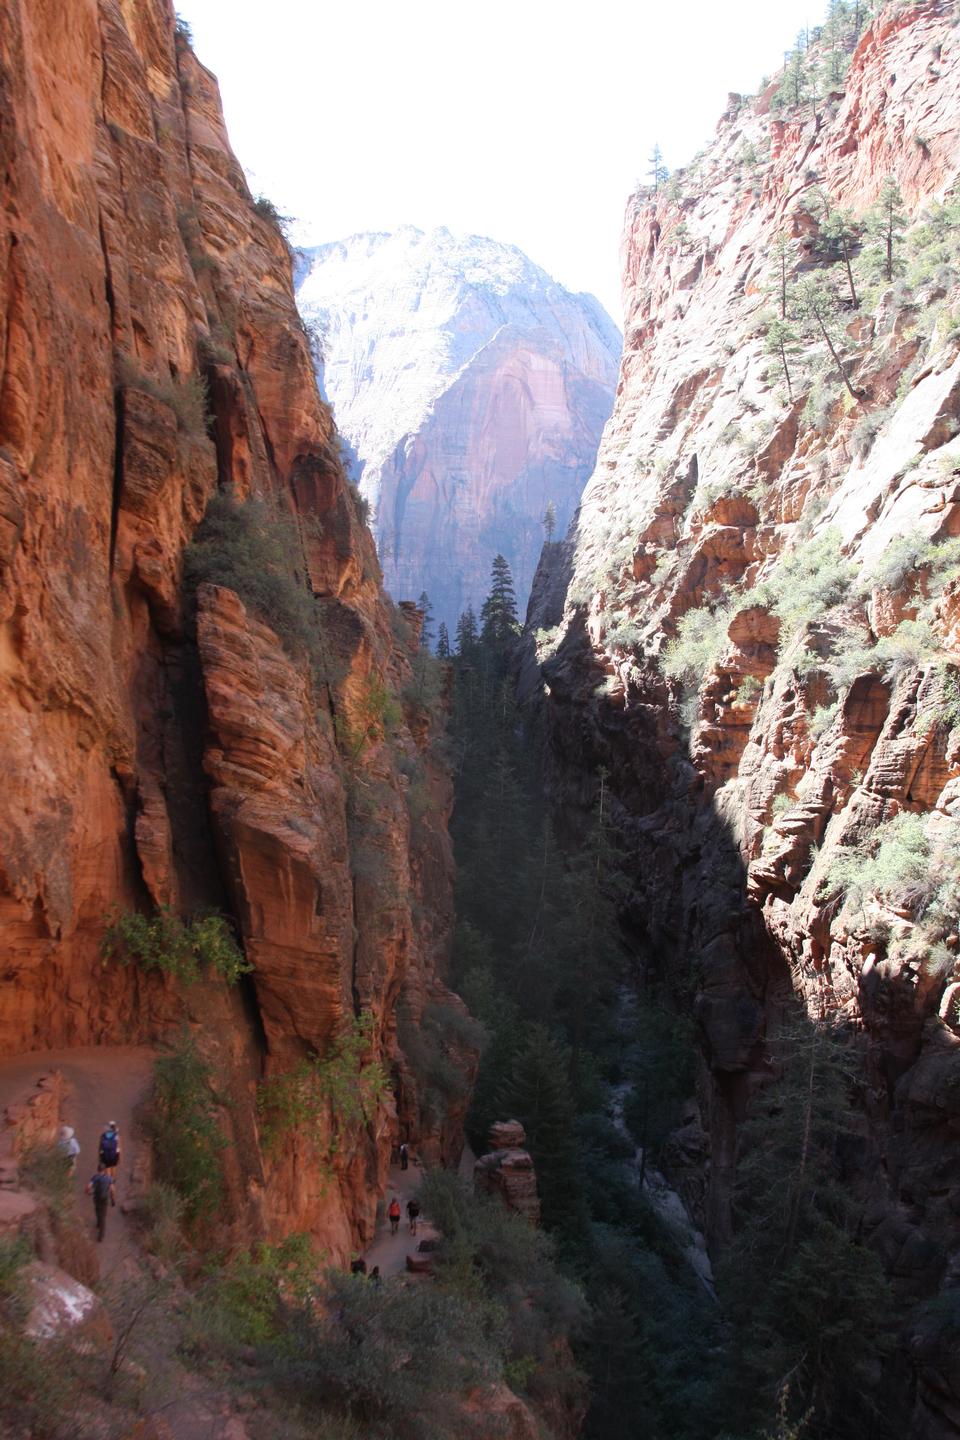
point(525, 120)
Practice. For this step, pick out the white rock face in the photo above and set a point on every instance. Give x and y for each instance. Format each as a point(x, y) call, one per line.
point(472, 388)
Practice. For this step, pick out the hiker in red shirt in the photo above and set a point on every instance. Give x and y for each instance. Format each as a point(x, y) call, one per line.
point(394, 1215)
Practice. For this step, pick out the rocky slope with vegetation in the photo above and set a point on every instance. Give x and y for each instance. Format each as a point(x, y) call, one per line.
point(224, 811)
point(752, 628)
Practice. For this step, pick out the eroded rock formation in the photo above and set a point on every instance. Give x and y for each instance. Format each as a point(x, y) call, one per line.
point(151, 356)
point(748, 772)
point(473, 390)
point(507, 1171)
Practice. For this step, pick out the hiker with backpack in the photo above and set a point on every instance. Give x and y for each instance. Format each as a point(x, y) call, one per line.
point(101, 1188)
point(109, 1153)
point(413, 1214)
point(393, 1215)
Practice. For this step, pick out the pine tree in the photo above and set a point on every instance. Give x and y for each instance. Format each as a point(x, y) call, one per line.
point(426, 610)
point(806, 1297)
point(658, 172)
point(782, 264)
point(538, 1094)
point(499, 613)
point(467, 635)
point(780, 340)
point(796, 77)
point(886, 223)
point(443, 642)
point(549, 521)
point(841, 232)
point(818, 309)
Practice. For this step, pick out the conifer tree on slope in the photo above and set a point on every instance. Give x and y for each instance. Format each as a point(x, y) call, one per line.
point(538, 1094)
point(499, 614)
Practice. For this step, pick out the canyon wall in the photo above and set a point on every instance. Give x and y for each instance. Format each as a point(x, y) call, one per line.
point(754, 627)
point(472, 390)
point(168, 750)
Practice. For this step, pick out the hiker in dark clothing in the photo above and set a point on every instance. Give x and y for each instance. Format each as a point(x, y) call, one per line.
point(101, 1188)
point(413, 1214)
point(109, 1155)
point(376, 1277)
point(393, 1215)
point(404, 1156)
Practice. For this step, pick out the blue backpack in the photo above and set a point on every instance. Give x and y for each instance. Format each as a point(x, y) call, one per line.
point(109, 1147)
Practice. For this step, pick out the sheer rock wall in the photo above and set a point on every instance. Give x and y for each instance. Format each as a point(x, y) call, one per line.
point(733, 805)
point(154, 758)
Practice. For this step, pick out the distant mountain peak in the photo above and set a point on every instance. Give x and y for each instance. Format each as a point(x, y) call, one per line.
point(473, 388)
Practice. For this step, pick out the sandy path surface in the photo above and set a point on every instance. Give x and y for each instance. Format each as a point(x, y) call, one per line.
point(104, 1083)
point(390, 1251)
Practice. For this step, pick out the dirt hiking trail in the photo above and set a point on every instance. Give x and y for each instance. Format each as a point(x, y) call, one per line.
point(103, 1083)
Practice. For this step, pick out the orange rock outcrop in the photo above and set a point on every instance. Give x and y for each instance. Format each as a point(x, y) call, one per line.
point(153, 756)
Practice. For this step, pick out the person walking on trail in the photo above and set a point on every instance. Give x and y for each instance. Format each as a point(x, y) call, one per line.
point(69, 1146)
point(375, 1277)
point(404, 1156)
point(101, 1188)
point(394, 1215)
point(413, 1214)
point(109, 1155)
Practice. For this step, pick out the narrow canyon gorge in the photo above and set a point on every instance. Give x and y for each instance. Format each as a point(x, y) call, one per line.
point(650, 900)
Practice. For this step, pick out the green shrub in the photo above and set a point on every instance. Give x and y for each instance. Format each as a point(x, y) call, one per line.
point(46, 1169)
point(395, 1359)
point(248, 1301)
point(692, 654)
point(344, 1084)
point(906, 555)
point(184, 949)
point(748, 690)
point(186, 1133)
point(257, 552)
point(912, 645)
point(822, 718)
point(624, 633)
point(806, 582)
point(265, 208)
point(865, 432)
point(14, 1254)
point(361, 505)
point(375, 714)
point(186, 395)
point(161, 1212)
point(901, 864)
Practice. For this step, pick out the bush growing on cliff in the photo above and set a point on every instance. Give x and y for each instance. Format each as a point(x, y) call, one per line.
point(256, 551)
point(692, 654)
point(324, 1096)
point(186, 395)
point(184, 949)
point(185, 1128)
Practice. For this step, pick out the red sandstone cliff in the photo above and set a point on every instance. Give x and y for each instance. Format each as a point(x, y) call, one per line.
point(150, 758)
point(738, 792)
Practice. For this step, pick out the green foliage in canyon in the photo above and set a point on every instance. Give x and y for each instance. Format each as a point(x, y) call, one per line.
point(186, 949)
point(185, 1129)
point(325, 1095)
point(539, 959)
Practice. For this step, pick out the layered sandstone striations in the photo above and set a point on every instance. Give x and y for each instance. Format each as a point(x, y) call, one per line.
point(473, 390)
point(156, 751)
point(784, 536)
